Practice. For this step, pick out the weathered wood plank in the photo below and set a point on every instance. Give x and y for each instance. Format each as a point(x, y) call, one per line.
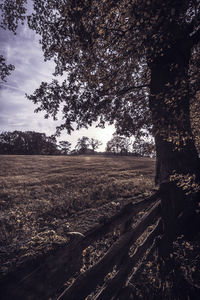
point(126, 213)
point(80, 288)
point(117, 283)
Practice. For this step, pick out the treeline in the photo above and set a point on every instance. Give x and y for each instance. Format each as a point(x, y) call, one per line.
point(120, 145)
point(36, 143)
point(86, 145)
point(28, 142)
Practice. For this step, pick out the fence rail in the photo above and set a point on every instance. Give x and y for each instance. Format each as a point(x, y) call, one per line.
point(95, 275)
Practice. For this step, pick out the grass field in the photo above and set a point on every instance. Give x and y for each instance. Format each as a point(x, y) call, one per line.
point(39, 195)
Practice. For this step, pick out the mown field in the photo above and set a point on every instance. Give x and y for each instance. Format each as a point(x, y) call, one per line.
point(40, 196)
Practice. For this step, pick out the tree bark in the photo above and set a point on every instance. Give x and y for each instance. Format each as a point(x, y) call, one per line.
point(170, 106)
point(177, 161)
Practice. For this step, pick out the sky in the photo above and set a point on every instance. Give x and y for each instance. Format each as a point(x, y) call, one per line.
point(16, 111)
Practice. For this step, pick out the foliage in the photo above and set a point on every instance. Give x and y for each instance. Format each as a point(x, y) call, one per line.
point(65, 147)
point(28, 142)
point(4, 68)
point(118, 145)
point(12, 12)
point(107, 48)
point(195, 94)
point(122, 145)
point(95, 144)
point(186, 182)
point(195, 113)
point(143, 148)
point(182, 278)
point(94, 88)
point(82, 144)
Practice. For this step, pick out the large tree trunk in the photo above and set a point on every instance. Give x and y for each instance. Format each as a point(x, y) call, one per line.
point(170, 107)
point(178, 165)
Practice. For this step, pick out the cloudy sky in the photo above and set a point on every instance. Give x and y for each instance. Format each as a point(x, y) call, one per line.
point(16, 111)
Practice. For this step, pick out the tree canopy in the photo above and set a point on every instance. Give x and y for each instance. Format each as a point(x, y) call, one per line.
point(118, 145)
point(82, 144)
point(13, 12)
point(65, 147)
point(95, 144)
point(27, 142)
point(106, 49)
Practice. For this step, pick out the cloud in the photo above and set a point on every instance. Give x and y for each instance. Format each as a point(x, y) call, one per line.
point(10, 87)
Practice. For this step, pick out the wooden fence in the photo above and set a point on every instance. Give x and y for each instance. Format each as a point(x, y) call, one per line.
point(46, 278)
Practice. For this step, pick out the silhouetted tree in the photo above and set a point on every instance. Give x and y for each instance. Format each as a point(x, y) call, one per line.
point(83, 144)
point(28, 142)
point(118, 145)
point(51, 145)
point(94, 143)
point(65, 147)
point(125, 145)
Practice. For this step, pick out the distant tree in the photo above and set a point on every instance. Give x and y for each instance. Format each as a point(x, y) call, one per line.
point(5, 143)
point(74, 152)
point(110, 147)
point(83, 144)
point(125, 145)
point(113, 145)
point(13, 142)
point(51, 145)
point(28, 142)
point(64, 147)
point(94, 143)
point(20, 142)
point(33, 142)
point(118, 145)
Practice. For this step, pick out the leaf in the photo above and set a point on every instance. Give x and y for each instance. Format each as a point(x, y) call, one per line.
point(101, 31)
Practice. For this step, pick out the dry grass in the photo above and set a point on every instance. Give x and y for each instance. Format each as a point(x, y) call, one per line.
point(39, 193)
